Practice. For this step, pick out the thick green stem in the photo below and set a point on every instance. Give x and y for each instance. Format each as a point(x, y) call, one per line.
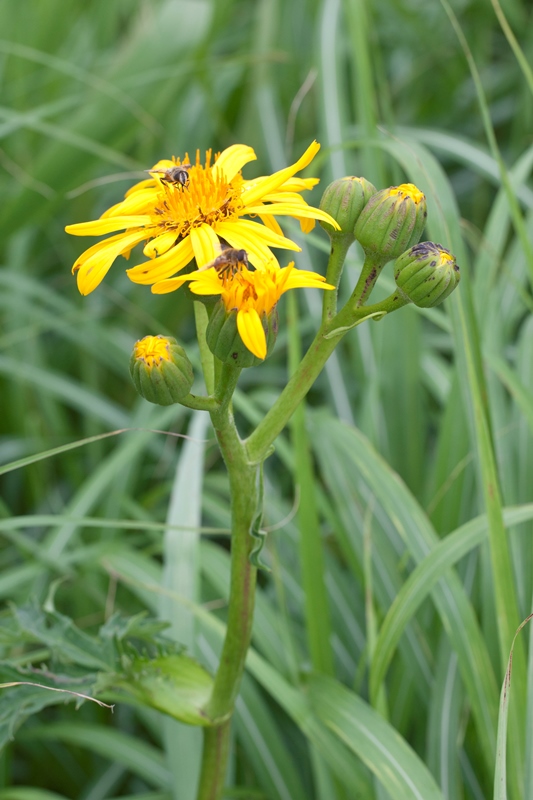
point(245, 493)
point(214, 761)
point(226, 383)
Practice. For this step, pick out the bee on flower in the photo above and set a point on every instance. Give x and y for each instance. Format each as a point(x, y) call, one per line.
point(186, 208)
point(246, 312)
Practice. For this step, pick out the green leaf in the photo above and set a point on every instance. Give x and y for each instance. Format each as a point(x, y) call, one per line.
point(20, 702)
point(181, 574)
point(64, 639)
point(500, 772)
point(371, 738)
point(28, 793)
point(140, 758)
point(346, 456)
point(424, 578)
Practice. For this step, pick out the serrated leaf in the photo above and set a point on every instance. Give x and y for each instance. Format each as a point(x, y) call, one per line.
point(20, 702)
point(65, 640)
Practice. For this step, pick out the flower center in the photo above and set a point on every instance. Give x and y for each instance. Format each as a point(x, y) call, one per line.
point(153, 350)
point(248, 289)
point(207, 197)
point(408, 190)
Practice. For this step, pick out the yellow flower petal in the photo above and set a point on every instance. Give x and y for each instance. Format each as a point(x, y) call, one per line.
point(238, 235)
point(285, 197)
point(272, 223)
point(206, 283)
point(164, 163)
point(289, 210)
point(253, 230)
point(149, 182)
point(272, 182)
point(251, 332)
point(233, 159)
point(299, 184)
point(163, 267)
point(302, 280)
point(168, 285)
point(161, 244)
point(138, 203)
point(306, 225)
point(100, 226)
point(205, 244)
point(93, 265)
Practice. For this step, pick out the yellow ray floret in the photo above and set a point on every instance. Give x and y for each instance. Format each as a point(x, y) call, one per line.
point(182, 219)
point(251, 292)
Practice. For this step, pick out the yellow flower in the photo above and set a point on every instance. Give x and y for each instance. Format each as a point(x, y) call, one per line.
point(186, 217)
point(252, 293)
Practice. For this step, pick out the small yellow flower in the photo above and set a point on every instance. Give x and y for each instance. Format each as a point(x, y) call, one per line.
point(252, 293)
point(152, 350)
point(186, 218)
point(407, 190)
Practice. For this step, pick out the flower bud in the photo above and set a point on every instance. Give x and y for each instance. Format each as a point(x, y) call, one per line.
point(161, 370)
point(344, 200)
point(224, 341)
point(392, 221)
point(426, 274)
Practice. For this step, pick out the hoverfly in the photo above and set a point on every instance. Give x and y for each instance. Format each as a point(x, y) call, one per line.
point(228, 262)
point(178, 174)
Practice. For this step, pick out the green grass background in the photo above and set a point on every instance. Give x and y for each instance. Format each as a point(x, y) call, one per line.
point(399, 569)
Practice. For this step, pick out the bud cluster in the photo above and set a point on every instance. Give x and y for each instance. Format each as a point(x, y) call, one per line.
point(388, 224)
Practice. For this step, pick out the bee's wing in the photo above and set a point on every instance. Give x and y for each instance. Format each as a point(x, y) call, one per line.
point(214, 263)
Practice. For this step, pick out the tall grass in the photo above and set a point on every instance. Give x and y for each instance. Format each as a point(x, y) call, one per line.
point(383, 630)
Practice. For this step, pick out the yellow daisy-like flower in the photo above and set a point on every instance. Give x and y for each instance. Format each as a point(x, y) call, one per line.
point(183, 214)
point(252, 293)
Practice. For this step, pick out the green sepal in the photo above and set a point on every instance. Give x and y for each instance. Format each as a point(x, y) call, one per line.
point(224, 341)
point(176, 685)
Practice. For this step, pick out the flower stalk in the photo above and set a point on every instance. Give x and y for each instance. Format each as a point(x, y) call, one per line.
point(246, 494)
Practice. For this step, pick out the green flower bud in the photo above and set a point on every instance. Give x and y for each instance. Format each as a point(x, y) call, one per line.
point(344, 200)
point(392, 221)
point(426, 274)
point(161, 370)
point(224, 341)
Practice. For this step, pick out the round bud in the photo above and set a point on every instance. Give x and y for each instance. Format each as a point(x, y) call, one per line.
point(344, 200)
point(224, 341)
point(392, 220)
point(161, 370)
point(426, 274)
